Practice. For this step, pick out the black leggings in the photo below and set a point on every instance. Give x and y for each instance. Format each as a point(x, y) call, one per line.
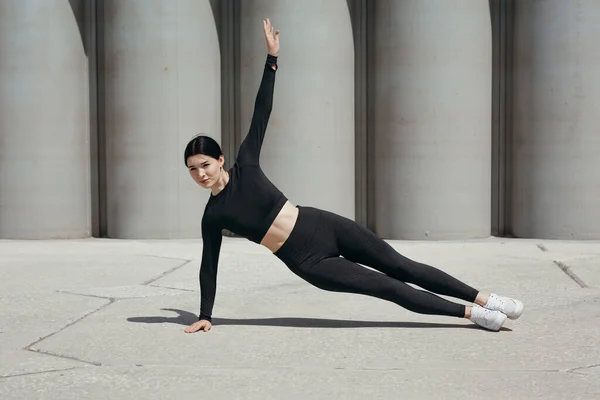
point(320, 237)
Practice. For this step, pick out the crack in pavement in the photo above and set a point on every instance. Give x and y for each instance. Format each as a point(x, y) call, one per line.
point(567, 270)
point(542, 247)
point(38, 373)
point(170, 271)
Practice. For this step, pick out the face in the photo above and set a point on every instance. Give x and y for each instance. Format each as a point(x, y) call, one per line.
point(205, 170)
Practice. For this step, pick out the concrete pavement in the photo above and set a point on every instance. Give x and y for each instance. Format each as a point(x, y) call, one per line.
point(104, 319)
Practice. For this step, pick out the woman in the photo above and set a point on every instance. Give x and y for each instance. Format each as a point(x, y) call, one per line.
point(319, 246)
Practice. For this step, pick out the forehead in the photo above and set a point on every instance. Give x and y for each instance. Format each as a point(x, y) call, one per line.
point(198, 159)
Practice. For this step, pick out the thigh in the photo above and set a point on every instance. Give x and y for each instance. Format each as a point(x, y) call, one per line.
point(338, 274)
point(361, 245)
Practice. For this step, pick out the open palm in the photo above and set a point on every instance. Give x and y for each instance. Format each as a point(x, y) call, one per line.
point(272, 37)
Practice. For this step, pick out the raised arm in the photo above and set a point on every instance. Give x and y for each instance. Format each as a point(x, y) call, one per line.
point(249, 152)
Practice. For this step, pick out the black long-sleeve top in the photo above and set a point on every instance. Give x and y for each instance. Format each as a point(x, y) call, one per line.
point(249, 202)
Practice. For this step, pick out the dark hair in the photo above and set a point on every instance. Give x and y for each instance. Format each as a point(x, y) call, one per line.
point(201, 144)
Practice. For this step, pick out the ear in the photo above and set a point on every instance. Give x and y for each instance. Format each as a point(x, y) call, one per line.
point(221, 160)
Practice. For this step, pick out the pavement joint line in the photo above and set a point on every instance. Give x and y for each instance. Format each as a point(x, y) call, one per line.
point(38, 373)
point(332, 368)
point(171, 288)
point(170, 271)
point(572, 370)
point(31, 348)
point(122, 298)
point(49, 353)
point(582, 257)
point(165, 257)
point(542, 247)
point(567, 270)
point(112, 299)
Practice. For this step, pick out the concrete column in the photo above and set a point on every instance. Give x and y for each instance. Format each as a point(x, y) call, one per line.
point(44, 122)
point(431, 117)
point(308, 151)
point(556, 163)
point(162, 74)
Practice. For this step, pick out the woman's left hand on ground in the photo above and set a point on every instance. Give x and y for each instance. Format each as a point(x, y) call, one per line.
point(272, 37)
point(201, 325)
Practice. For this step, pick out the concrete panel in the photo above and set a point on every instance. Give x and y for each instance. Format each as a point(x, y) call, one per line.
point(431, 119)
point(556, 179)
point(308, 150)
point(44, 122)
point(290, 340)
point(162, 87)
point(296, 382)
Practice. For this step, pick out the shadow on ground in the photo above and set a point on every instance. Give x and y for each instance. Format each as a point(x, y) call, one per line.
point(187, 318)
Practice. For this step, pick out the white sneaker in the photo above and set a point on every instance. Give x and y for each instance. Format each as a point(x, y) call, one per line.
point(488, 319)
point(511, 307)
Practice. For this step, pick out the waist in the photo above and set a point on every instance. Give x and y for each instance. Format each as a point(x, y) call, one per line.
point(281, 228)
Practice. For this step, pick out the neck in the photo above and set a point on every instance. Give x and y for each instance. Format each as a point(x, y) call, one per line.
point(220, 185)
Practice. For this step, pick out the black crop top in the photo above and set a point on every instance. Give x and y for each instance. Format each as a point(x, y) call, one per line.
point(249, 202)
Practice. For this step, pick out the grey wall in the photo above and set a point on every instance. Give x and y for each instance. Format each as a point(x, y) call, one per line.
point(556, 104)
point(431, 119)
point(162, 86)
point(309, 149)
point(383, 112)
point(44, 122)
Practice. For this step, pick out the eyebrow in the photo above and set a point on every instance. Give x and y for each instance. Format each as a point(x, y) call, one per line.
point(194, 164)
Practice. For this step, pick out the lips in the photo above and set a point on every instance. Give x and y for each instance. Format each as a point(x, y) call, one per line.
point(204, 180)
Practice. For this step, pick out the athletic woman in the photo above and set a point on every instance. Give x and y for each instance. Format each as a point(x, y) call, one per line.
point(321, 247)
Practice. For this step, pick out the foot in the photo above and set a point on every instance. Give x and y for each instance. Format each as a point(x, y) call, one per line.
point(511, 307)
point(487, 319)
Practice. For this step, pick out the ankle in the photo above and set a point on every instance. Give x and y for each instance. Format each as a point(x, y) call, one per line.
point(482, 298)
point(468, 312)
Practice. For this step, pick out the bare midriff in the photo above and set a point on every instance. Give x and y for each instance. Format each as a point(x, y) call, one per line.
point(281, 228)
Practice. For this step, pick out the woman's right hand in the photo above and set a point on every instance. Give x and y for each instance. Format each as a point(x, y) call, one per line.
point(199, 325)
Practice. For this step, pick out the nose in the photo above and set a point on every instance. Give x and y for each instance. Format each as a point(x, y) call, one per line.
point(198, 174)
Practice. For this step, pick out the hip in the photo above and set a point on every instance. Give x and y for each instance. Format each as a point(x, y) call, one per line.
point(309, 241)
